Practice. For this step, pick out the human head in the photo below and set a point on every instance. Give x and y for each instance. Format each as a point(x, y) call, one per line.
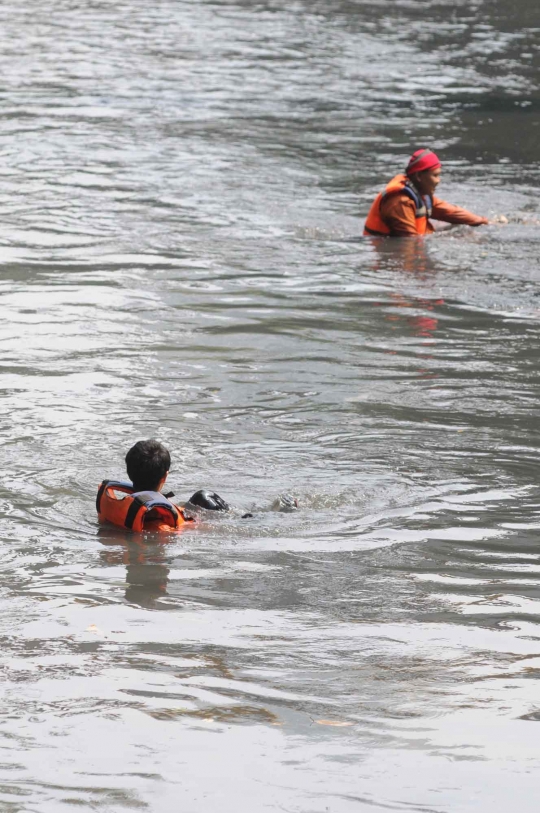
point(148, 463)
point(424, 170)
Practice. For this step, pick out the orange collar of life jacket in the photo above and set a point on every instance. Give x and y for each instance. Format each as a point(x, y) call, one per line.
point(423, 203)
point(137, 511)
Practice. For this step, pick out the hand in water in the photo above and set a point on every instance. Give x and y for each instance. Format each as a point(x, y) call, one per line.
point(285, 503)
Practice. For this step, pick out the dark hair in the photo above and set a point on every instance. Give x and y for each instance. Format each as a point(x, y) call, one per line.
point(147, 463)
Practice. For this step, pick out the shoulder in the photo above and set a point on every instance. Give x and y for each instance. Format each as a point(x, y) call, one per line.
point(397, 200)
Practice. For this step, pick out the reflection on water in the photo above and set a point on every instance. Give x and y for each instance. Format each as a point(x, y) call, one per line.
point(182, 200)
point(146, 572)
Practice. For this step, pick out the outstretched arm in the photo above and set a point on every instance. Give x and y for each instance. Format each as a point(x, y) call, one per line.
point(449, 213)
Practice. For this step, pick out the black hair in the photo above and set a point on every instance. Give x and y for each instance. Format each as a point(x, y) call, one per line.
point(147, 463)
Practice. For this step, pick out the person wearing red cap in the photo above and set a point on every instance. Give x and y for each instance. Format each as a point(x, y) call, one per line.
point(407, 205)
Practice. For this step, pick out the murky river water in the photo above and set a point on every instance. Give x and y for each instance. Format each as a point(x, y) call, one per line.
point(183, 185)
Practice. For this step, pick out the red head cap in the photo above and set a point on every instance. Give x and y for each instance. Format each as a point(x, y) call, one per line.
point(421, 160)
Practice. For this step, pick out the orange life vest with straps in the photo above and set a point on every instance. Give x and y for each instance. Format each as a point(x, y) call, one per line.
point(140, 511)
point(400, 185)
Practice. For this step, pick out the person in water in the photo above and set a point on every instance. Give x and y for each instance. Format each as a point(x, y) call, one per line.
point(141, 505)
point(407, 206)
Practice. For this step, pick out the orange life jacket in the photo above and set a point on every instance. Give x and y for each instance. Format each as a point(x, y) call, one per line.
point(400, 185)
point(140, 511)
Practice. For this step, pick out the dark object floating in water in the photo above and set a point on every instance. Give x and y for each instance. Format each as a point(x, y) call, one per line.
point(209, 500)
